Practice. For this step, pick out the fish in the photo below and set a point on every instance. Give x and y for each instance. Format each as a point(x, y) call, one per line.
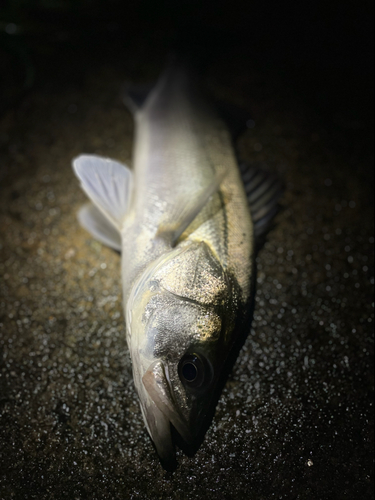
point(186, 220)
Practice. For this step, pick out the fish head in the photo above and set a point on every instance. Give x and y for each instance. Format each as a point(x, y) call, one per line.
point(179, 323)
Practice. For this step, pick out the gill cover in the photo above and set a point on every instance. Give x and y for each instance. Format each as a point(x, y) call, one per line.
point(176, 335)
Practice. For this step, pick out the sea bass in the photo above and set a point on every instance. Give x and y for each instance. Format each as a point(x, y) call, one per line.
point(181, 220)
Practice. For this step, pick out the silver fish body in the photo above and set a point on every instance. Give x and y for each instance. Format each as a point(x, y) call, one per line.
point(182, 300)
point(180, 145)
point(187, 257)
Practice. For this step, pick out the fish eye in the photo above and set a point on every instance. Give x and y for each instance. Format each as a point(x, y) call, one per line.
point(194, 370)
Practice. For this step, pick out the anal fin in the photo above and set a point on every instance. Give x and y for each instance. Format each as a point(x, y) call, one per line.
point(107, 183)
point(92, 219)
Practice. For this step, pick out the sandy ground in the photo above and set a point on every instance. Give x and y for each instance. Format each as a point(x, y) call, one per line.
point(295, 418)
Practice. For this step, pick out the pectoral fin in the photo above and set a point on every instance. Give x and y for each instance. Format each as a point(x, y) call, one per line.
point(107, 183)
point(188, 210)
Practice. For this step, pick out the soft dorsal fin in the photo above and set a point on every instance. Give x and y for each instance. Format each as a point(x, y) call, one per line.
point(134, 96)
point(237, 119)
point(92, 219)
point(263, 191)
point(107, 183)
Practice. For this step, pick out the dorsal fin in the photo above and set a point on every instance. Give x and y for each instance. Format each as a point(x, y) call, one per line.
point(237, 119)
point(263, 191)
point(134, 96)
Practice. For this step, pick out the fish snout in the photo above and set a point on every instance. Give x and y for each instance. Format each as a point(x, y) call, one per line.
point(162, 411)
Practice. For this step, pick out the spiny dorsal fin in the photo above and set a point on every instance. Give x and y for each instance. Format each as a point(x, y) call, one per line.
point(107, 183)
point(263, 191)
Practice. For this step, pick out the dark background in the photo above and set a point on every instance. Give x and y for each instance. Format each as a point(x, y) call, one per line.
point(319, 52)
point(295, 420)
point(316, 55)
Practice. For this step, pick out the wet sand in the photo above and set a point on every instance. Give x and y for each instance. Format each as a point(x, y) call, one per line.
point(295, 417)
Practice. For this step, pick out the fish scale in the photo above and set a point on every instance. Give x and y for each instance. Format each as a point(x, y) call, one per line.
point(182, 222)
point(179, 144)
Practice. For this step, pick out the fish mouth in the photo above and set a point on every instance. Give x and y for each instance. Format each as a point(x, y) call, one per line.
point(162, 412)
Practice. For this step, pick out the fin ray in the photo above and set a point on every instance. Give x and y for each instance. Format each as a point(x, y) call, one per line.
point(107, 183)
point(263, 191)
point(189, 211)
point(92, 219)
